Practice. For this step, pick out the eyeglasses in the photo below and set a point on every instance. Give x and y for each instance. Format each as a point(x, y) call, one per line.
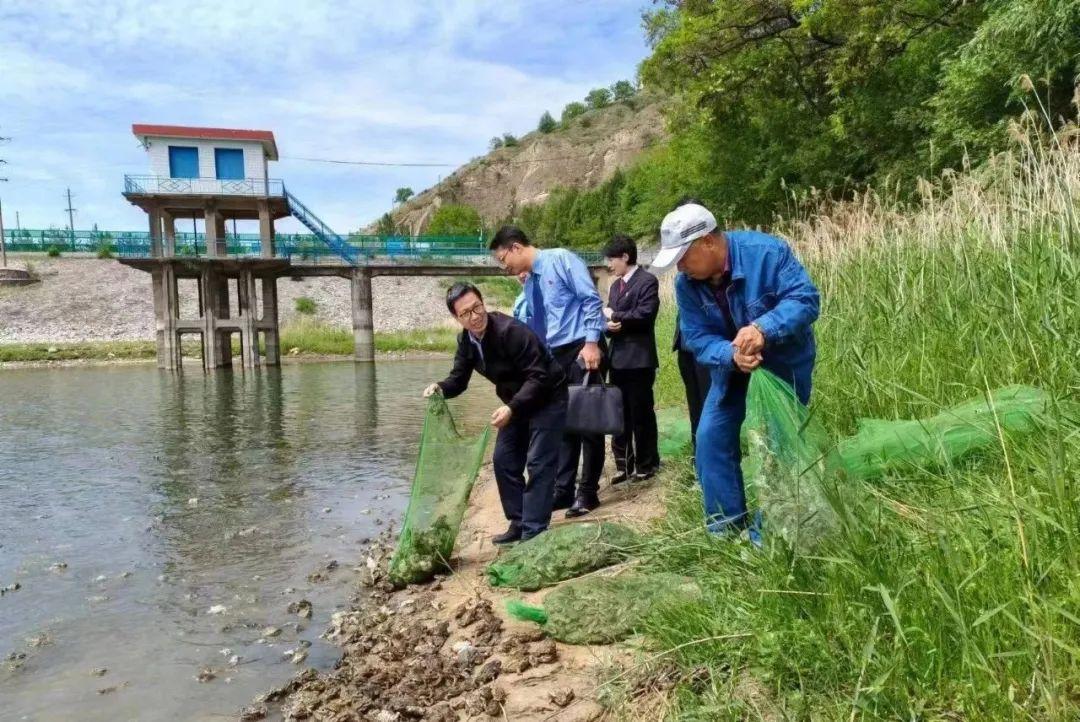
point(501, 260)
point(477, 311)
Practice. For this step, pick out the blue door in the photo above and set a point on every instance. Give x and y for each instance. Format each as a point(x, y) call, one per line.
point(229, 163)
point(183, 162)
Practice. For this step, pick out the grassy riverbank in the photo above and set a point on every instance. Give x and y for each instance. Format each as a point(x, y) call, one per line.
point(309, 338)
point(947, 593)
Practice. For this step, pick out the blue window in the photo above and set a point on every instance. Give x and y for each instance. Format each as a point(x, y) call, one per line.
point(183, 162)
point(229, 163)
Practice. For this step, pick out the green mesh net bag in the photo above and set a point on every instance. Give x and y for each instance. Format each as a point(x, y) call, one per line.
point(881, 446)
point(784, 469)
point(446, 470)
point(673, 432)
point(562, 552)
point(602, 610)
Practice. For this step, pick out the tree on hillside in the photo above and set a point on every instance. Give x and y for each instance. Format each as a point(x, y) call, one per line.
point(495, 143)
point(455, 219)
point(547, 123)
point(386, 226)
point(598, 98)
point(571, 111)
point(801, 95)
point(622, 90)
point(403, 194)
point(509, 140)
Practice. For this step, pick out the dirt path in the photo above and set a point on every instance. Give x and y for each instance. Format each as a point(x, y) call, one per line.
point(447, 650)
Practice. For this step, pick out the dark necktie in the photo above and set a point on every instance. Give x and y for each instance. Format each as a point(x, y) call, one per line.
point(537, 314)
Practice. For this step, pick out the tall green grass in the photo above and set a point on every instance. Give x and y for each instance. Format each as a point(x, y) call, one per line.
point(949, 593)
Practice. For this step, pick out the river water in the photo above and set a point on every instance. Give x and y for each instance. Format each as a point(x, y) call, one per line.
point(134, 503)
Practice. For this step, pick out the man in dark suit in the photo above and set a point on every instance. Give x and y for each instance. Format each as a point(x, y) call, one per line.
point(695, 378)
point(532, 388)
point(633, 302)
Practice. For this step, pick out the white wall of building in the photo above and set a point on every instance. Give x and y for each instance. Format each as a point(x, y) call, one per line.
point(255, 164)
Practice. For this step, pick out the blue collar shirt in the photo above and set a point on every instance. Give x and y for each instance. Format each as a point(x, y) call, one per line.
point(572, 305)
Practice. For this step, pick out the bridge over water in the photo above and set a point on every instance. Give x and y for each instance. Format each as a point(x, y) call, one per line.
point(254, 262)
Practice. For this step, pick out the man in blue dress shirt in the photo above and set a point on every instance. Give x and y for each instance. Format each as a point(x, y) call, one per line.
point(565, 311)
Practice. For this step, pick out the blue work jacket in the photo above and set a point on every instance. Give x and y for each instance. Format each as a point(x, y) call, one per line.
point(768, 287)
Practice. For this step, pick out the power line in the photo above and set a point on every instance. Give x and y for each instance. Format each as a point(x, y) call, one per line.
point(506, 161)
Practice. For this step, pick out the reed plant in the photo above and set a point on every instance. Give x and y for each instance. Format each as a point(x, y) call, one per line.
point(948, 593)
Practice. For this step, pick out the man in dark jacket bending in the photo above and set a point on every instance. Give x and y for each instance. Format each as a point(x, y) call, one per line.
point(531, 386)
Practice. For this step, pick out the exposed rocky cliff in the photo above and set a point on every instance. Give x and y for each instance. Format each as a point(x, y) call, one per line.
point(582, 155)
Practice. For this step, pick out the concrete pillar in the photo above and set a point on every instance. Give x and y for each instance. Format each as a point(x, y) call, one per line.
point(215, 226)
point(222, 242)
point(363, 321)
point(208, 283)
point(267, 246)
point(169, 222)
point(224, 338)
point(249, 339)
point(272, 340)
point(155, 232)
point(166, 305)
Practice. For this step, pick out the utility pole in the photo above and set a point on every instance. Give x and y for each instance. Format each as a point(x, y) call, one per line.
point(71, 220)
point(3, 245)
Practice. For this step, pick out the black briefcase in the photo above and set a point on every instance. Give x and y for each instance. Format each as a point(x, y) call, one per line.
point(594, 408)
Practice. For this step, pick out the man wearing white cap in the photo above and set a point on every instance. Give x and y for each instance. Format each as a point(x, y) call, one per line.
point(744, 301)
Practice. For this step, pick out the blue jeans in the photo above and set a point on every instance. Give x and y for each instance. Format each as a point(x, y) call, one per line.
point(530, 443)
point(718, 457)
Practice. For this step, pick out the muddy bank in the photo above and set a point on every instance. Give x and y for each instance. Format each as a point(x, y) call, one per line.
point(447, 650)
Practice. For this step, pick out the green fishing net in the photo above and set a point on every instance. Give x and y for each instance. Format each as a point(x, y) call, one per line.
point(784, 470)
point(562, 552)
point(602, 610)
point(881, 446)
point(446, 469)
point(673, 432)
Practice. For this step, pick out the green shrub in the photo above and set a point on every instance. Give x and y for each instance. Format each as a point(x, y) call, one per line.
point(53, 251)
point(547, 123)
point(305, 306)
point(105, 250)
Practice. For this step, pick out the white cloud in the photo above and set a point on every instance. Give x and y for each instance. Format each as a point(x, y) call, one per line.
point(355, 80)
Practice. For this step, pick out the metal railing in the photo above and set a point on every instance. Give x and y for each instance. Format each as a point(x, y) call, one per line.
point(152, 185)
point(299, 247)
point(326, 234)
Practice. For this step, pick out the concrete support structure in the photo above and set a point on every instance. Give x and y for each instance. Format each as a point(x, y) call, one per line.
point(267, 246)
point(219, 320)
point(362, 319)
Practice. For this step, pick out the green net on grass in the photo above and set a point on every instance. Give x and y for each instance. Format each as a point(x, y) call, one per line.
point(784, 469)
point(602, 610)
point(563, 552)
point(673, 432)
point(881, 446)
point(446, 469)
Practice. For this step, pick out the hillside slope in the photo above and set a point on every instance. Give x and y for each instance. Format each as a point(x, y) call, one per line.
point(582, 155)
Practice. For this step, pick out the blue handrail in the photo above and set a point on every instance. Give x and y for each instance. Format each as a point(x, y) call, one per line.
point(322, 231)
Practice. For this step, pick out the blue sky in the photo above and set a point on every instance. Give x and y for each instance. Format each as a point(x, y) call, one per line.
point(383, 81)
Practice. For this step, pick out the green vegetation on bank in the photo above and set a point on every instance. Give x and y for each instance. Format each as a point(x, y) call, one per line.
point(776, 105)
point(950, 593)
point(309, 337)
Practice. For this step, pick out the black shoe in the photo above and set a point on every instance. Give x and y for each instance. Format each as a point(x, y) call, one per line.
point(645, 475)
point(562, 501)
point(620, 478)
point(511, 535)
point(582, 506)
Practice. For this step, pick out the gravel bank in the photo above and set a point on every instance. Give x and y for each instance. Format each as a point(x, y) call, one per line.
point(86, 299)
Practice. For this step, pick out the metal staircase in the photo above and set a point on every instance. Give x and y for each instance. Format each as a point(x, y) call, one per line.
point(323, 232)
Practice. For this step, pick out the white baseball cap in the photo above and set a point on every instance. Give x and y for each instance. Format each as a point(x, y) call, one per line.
point(680, 228)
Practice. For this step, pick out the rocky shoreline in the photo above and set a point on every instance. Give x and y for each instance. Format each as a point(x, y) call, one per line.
point(446, 650)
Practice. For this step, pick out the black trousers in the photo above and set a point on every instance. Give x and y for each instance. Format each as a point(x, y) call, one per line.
point(584, 449)
point(696, 381)
point(530, 443)
point(635, 449)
